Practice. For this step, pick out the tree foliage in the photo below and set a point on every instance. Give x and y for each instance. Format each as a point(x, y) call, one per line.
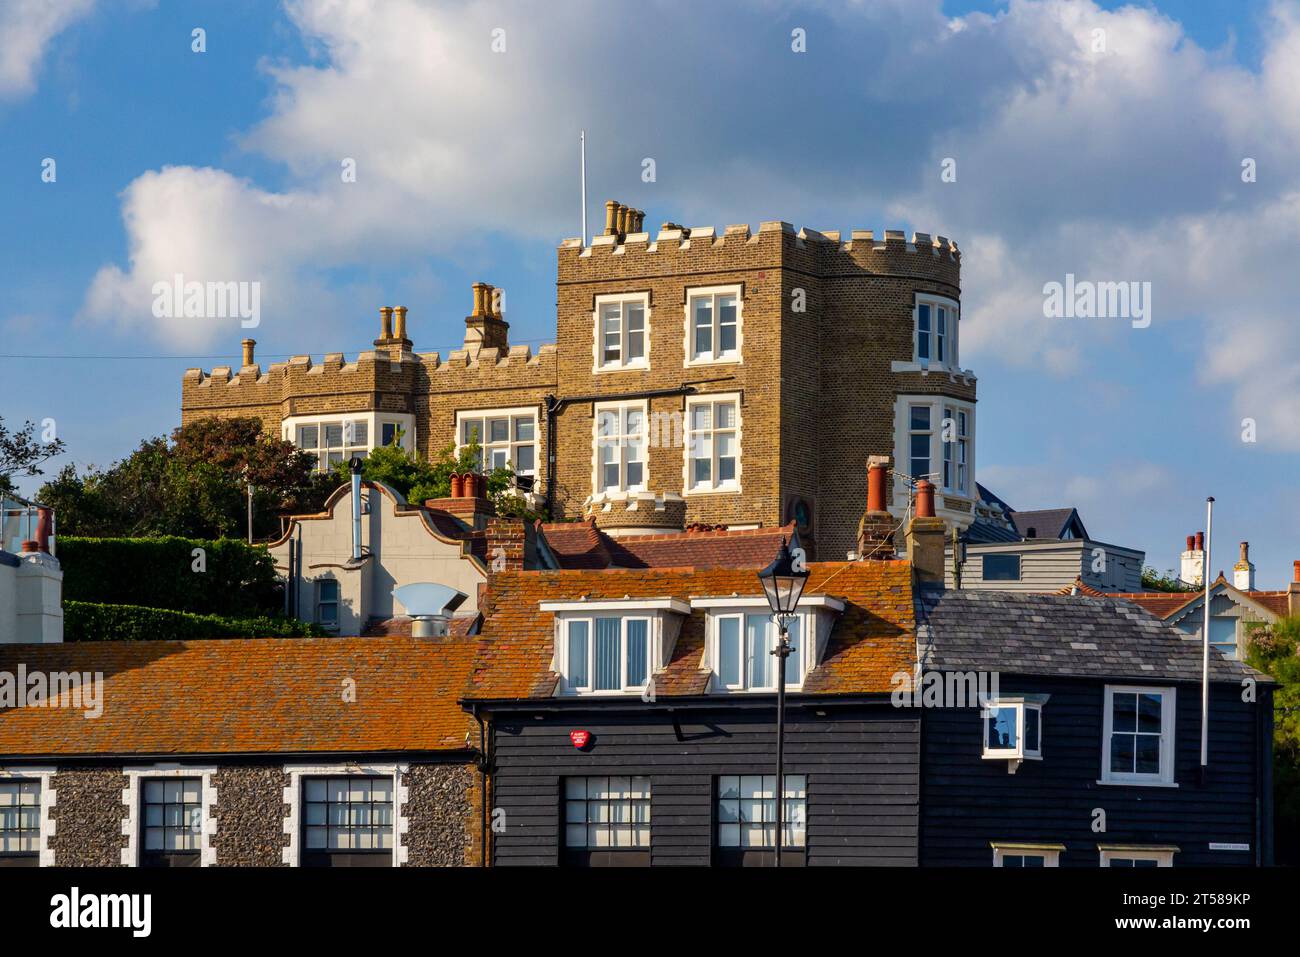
point(22, 454)
point(1273, 650)
point(1152, 580)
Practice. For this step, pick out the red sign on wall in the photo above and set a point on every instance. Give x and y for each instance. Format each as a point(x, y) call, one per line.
point(580, 739)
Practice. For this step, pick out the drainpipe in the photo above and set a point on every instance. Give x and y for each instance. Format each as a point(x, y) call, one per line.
point(484, 833)
point(355, 466)
point(554, 406)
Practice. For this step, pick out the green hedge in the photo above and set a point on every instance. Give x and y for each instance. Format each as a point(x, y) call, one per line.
point(87, 621)
point(239, 579)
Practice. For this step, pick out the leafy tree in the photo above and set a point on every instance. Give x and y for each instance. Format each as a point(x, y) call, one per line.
point(22, 454)
point(1152, 580)
point(1273, 650)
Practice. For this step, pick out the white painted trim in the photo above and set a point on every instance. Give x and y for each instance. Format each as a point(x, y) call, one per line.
point(49, 798)
point(373, 419)
point(688, 340)
point(207, 800)
point(1050, 853)
point(510, 413)
point(730, 488)
point(903, 455)
point(292, 854)
point(618, 408)
point(760, 601)
point(598, 333)
point(1020, 752)
point(811, 643)
point(1162, 854)
point(675, 605)
point(1168, 737)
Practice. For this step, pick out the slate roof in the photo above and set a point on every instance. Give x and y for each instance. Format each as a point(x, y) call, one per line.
point(248, 696)
point(871, 641)
point(582, 545)
point(983, 532)
point(1061, 635)
point(1045, 522)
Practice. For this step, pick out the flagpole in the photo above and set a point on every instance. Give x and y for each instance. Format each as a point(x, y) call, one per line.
point(582, 140)
point(1205, 638)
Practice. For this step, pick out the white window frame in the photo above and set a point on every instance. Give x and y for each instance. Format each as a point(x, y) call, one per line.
point(620, 409)
point(712, 357)
point(623, 619)
point(512, 443)
point(939, 405)
point(1163, 855)
point(641, 830)
point(959, 449)
point(715, 487)
point(1021, 705)
point(317, 602)
point(1168, 738)
point(49, 798)
point(131, 794)
point(292, 852)
point(1050, 853)
point(372, 420)
point(806, 651)
point(949, 336)
point(619, 299)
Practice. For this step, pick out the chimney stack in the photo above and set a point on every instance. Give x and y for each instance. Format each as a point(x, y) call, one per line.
point(484, 329)
point(924, 538)
point(1243, 573)
point(1192, 562)
point(876, 527)
point(248, 345)
point(1293, 591)
point(393, 340)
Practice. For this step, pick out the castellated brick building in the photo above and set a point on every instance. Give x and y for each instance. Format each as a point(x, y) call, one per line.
point(731, 378)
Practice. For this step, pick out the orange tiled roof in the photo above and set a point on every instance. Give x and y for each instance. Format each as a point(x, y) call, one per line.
point(872, 640)
point(583, 545)
point(1159, 603)
point(1274, 601)
point(248, 696)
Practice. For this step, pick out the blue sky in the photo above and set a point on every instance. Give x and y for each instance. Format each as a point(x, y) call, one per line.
point(1122, 163)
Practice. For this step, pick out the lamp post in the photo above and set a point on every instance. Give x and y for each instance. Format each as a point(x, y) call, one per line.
point(783, 583)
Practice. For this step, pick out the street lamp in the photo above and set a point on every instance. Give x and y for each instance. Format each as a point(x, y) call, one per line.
point(783, 582)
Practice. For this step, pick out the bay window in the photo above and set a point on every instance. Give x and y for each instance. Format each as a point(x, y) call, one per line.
point(620, 448)
point(935, 437)
point(1138, 736)
point(713, 325)
point(713, 444)
point(1013, 728)
point(622, 332)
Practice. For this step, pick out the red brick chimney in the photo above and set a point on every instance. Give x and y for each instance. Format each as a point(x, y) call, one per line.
point(507, 544)
point(1293, 591)
point(925, 538)
point(876, 527)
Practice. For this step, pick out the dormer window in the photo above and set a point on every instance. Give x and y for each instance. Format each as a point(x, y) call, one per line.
point(740, 637)
point(613, 647)
point(1013, 730)
point(935, 341)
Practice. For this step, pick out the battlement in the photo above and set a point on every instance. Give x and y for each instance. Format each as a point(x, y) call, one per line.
point(775, 243)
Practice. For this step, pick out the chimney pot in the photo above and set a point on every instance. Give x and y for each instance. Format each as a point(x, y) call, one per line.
point(457, 485)
point(1200, 542)
point(876, 472)
point(489, 301)
point(1295, 571)
point(248, 345)
point(1191, 543)
point(1245, 551)
point(620, 222)
point(400, 313)
point(924, 499)
point(480, 297)
point(385, 322)
point(611, 217)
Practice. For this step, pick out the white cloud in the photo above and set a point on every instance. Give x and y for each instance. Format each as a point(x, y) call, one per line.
point(26, 29)
point(1116, 164)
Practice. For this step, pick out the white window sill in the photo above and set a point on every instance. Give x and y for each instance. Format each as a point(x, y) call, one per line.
point(1138, 784)
point(914, 365)
point(724, 360)
point(719, 490)
point(638, 366)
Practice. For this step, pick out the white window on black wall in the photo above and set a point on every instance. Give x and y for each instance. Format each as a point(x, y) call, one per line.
point(1138, 736)
point(607, 820)
point(746, 819)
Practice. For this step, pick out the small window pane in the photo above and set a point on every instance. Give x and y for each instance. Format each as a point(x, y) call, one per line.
point(524, 428)
point(578, 633)
point(608, 638)
point(1000, 732)
point(1032, 717)
point(638, 651)
point(729, 653)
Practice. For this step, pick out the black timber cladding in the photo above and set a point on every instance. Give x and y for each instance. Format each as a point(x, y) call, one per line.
point(861, 762)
